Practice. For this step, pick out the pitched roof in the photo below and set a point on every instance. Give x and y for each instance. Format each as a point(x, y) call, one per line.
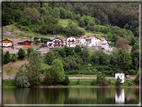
point(23, 41)
point(8, 39)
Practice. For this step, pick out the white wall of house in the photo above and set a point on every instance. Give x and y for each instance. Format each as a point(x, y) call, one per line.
point(82, 41)
point(52, 46)
point(94, 42)
point(7, 44)
point(121, 76)
point(71, 44)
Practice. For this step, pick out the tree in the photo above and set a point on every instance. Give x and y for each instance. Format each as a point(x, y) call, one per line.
point(135, 47)
point(14, 57)
point(66, 81)
point(63, 13)
point(21, 53)
point(32, 68)
point(29, 50)
point(70, 15)
point(114, 38)
point(49, 57)
point(81, 23)
point(118, 81)
point(57, 71)
point(133, 41)
point(85, 54)
point(122, 43)
point(6, 57)
point(99, 77)
point(56, 13)
point(104, 81)
point(77, 49)
point(137, 78)
point(22, 81)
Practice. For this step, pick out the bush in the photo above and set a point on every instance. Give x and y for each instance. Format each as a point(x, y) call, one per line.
point(78, 81)
point(14, 57)
point(66, 81)
point(48, 79)
point(22, 81)
point(109, 81)
point(21, 53)
point(129, 83)
point(6, 57)
point(118, 81)
point(93, 82)
point(132, 72)
point(12, 29)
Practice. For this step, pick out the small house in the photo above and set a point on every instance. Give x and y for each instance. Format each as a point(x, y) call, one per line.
point(121, 76)
point(6, 43)
point(71, 42)
point(90, 41)
point(26, 44)
point(55, 42)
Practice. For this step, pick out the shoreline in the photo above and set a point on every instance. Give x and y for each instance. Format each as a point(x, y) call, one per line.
point(52, 86)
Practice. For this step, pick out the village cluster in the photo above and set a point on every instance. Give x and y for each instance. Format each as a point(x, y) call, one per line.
point(94, 43)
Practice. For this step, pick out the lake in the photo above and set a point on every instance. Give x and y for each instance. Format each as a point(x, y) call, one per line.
point(70, 95)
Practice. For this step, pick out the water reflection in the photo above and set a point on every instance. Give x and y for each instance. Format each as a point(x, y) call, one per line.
point(70, 96)
point(119, 96)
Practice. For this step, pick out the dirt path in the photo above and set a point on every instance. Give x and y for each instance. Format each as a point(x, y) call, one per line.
point(7, 64)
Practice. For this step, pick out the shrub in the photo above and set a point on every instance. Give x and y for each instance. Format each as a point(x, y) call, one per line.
point(93, 82)
point(129, 83)
point(14, 57)
point(48, 79)
point(66, 81)
point(21, 53)
point(6, 57)
point(78, 81)
point(118, 81)
point(12, 29)
point(137, 78)
point(22, 81)
point(109, 81)
point(132, 72)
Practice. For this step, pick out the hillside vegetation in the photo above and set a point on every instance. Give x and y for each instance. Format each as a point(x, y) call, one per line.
point(108, 20)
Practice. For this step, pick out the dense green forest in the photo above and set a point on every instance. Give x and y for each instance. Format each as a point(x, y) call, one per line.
point(44, 17)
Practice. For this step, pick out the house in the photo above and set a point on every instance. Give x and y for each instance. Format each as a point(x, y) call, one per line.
point(71, 42)
point(7, 43)
point(105, 45)
point(55, 42)
point(121, 76)
point(26, 44)
point(90, 41)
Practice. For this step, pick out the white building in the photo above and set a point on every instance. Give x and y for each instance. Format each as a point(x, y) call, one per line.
point(55, 42)
point(90, 41)
point(71, 42)
point(121, 76)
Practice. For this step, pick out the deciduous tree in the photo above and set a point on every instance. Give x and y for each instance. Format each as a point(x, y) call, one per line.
point(122, 43)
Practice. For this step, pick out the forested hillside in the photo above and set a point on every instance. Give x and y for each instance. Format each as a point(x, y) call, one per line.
point(116, 20)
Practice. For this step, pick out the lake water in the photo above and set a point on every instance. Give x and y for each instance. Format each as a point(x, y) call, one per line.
point(70, 96)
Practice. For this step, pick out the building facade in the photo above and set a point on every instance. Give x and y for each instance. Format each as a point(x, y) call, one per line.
point(121, 76)
point(25, 44)
point(55, 42)
point(71, 42)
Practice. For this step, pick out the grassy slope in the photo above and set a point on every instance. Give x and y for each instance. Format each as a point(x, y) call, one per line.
point(12, 69)
point(64, 23)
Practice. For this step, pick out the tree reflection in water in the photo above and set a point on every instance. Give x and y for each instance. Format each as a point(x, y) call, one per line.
point(70, 95)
